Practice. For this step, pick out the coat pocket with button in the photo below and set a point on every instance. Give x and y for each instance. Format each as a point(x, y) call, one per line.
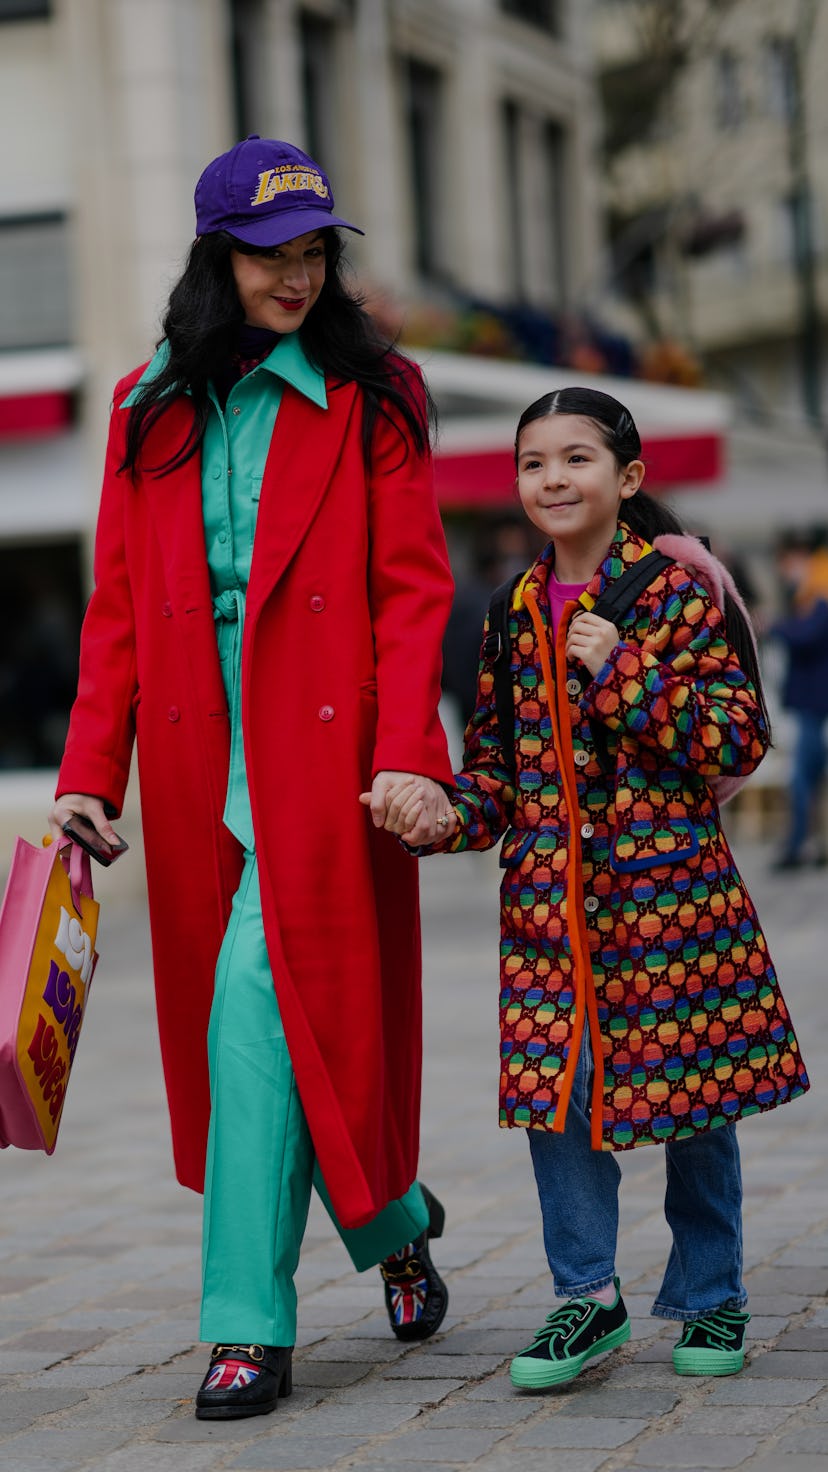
point(532, 887)
point(645, 843)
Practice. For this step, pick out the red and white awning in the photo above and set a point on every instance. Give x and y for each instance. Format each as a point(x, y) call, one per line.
point(683, 431)
point(36, 390)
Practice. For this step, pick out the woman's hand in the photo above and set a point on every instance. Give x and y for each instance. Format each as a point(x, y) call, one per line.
point(409, 806)
point(92, 808)
point(591, 640)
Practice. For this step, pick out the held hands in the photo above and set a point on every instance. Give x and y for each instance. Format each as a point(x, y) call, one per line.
point(591, 640)
point(415, 808)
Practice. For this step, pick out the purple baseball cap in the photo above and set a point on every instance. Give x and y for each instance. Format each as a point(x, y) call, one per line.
point(265, 192)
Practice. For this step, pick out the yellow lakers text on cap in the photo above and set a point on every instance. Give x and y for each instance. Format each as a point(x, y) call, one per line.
point(286, 180)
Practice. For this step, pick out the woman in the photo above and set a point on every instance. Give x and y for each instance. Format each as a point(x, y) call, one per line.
point(271, 593)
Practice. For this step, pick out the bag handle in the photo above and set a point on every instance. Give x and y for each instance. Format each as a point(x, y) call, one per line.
point(80, 872)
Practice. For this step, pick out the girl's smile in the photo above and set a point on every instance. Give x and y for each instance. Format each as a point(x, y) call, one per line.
point(571, 487)
point(278, 287)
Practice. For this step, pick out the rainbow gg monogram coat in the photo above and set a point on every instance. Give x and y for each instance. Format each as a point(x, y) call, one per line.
point(621, 907)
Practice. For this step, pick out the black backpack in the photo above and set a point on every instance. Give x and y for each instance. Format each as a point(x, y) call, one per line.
point(614, 603)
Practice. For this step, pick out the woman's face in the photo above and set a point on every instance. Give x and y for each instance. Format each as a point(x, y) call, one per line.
point(278, 287)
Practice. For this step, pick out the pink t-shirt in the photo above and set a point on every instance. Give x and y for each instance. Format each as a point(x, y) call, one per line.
point(559, 594)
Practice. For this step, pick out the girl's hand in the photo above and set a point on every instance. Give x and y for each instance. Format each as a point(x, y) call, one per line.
point(92, 808)
point(408, 806)
point(420, 819)
point(419, 812)
point(591, 640)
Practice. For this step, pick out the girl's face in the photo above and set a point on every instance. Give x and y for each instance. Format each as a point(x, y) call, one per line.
point(569, 482)
point(279, 287)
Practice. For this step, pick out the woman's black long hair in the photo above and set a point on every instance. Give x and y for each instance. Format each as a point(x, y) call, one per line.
point(644, 515)
point(202, 324)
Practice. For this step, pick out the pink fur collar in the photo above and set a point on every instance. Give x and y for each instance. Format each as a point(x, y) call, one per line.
point(714, 577)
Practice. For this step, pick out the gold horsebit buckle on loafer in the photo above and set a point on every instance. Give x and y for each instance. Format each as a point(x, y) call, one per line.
point(220, 1351)
point(412, 1268)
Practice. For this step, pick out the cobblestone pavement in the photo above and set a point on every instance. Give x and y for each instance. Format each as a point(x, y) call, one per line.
point(99, 1261)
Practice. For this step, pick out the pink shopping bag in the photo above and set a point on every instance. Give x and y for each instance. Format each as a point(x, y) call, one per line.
point(48, 929)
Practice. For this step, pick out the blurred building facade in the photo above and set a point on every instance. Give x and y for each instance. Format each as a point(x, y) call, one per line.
point(460, 133)
point(716, 190)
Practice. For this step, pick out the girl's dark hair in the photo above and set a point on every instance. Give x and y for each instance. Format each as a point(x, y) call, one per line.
point(647, 517)
point(201, 327)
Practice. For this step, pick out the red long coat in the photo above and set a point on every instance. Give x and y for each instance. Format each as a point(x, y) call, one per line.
point(348, 596)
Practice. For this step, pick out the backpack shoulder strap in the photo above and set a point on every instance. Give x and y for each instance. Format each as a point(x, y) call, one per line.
point(497, 647)
point(618, 598)
point(613, 604)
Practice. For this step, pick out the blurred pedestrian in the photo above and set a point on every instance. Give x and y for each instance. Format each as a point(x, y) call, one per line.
point(803, 564)
point(638, 1001)
point(504, 551)
point(271, 592)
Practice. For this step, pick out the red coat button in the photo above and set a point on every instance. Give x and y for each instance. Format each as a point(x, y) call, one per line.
point(167, 610)
point(326, 713)
point(317, 603)
point(174, 714)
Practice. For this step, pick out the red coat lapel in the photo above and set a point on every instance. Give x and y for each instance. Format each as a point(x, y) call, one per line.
point(175, 503)
point(176, 510)
point(306, 446)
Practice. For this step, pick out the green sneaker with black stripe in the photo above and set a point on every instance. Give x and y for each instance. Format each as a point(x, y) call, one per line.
point(571, 1336)
point(712, 1345)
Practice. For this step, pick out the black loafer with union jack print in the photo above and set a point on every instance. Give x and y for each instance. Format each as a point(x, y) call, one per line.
point(416, 1297)
point(244, 1380)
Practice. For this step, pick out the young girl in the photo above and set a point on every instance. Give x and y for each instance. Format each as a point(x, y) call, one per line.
point(639, 1003)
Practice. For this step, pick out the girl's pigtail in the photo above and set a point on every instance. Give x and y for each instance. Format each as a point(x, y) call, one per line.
point(741, 637)
point(693, 553)
point(650, 518)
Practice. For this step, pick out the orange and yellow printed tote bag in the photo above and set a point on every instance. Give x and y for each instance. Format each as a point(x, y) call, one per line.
point(48, 929)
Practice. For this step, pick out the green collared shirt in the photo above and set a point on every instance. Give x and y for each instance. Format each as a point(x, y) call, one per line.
point(234, 451)
point(233, 455)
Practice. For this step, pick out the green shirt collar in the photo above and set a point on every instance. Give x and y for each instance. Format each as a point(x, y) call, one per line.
point(288, 361)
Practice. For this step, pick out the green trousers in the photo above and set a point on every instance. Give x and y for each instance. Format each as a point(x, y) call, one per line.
point(260, 1159)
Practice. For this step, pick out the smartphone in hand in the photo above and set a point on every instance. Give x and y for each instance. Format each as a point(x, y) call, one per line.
point(86, 835)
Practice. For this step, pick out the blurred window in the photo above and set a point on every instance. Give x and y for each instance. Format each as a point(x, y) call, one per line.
point(25, 9)
point(728, 83)
point(317, 37)
point(786, 227)
point(780, 73)
point(799, 229)
point(633, 244)
point(244, 22)
point(424, 120)
point(41, 605)
point(543, 13)
point(554, 149)
point(534, 154)
point(516, 272)
point(34, 281)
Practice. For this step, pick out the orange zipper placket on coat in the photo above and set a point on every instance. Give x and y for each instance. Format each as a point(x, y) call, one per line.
point(591, 1002)
point(584, 999)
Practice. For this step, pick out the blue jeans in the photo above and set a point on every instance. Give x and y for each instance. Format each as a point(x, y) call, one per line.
point(807, 773)
point(578, 1190)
